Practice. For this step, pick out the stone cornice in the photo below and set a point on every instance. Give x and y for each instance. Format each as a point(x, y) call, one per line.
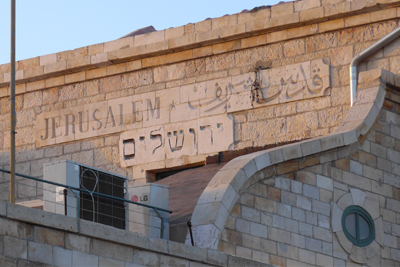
point(209, 37)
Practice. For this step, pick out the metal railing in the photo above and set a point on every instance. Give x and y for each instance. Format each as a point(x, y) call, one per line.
point(134, 212)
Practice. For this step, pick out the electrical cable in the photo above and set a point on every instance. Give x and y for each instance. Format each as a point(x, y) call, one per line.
point(94, 188)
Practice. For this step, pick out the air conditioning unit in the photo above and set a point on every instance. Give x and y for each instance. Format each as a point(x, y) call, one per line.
point(115, 213)
point(92, 207)
point(147, 221)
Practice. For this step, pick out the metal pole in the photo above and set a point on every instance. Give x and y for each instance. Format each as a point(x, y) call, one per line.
point(162, 223)
point(78, 212)
point(65, 201)
point(12, 99)
point(189, 224)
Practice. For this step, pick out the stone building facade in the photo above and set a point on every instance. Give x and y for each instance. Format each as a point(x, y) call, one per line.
point(285, 205)
point(273, 80)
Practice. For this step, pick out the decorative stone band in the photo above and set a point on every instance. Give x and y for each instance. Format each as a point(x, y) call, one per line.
point(219, 197)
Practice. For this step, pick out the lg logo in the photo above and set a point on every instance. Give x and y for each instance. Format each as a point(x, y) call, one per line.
point(135, 198)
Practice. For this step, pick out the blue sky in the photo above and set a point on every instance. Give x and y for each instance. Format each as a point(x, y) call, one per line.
point(50, 26)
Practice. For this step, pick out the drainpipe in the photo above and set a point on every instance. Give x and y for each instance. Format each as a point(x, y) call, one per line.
point(361, 56)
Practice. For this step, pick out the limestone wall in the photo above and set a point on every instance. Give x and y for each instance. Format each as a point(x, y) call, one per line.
point(290, 214)
point(31, 237)
point(171, 98)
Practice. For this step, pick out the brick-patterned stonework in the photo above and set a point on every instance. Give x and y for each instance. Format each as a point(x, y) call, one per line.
point(77, 116)
point(30, 237)
point(288, 211)
point(301, 119)
point(169, 99)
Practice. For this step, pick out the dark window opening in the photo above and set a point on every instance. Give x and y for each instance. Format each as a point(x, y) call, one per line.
point(165, 174)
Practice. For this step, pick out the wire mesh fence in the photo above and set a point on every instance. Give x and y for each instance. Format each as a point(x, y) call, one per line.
point(100, 198)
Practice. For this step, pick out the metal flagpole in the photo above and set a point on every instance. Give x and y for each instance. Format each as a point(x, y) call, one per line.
point(12, 99)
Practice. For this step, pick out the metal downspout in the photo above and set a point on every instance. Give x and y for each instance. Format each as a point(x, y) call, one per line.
point(361, 56)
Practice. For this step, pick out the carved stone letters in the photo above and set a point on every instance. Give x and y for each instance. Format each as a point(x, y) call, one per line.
point(203, 136)
point(99, 118)
point(189, 120)
point(293, 82)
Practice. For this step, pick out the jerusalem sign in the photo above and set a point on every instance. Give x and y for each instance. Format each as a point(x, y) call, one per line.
point(188, 120)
